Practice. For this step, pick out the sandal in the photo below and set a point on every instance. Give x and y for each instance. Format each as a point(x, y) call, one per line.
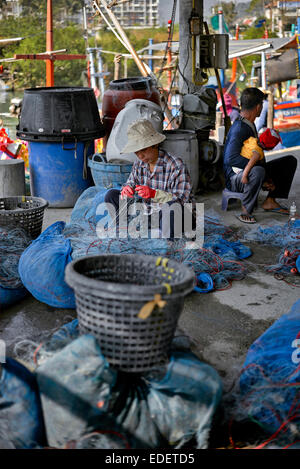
point(280, 209)
point(246, 218)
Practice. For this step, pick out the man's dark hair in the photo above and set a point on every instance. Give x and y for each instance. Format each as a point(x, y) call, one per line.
point(250, 97)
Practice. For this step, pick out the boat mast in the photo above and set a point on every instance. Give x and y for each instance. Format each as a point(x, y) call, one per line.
point(49, 45)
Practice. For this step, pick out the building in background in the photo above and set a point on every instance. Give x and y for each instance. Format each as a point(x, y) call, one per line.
point(10, 8)
point(283, 14)
point(138, 13)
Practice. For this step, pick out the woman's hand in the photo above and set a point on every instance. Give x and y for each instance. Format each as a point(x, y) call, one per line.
point(127, 191)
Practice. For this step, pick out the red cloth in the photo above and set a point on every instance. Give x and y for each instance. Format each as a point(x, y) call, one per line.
point(269, 139)
point(4, 142)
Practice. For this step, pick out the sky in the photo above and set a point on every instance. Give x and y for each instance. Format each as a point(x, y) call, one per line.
point(165, 9)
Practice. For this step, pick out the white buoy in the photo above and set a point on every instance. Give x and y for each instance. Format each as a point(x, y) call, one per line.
point(12, 178)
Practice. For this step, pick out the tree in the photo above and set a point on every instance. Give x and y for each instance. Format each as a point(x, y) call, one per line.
point(229, 12)
point(61, 8)
point(33, 8)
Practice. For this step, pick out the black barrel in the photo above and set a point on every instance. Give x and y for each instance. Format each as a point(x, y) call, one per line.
point(55, 113)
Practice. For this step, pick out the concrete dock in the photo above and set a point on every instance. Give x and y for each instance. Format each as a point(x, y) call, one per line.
point(221, 325)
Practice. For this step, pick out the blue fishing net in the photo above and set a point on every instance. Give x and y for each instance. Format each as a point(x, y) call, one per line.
point(275, 235)
point(42, 267)
point(285, 236)
point(43, 263)
point(270, 378)
point(219, 256)
point(13, 241)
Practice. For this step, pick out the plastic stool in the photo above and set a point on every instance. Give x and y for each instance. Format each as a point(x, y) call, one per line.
point(226, 195)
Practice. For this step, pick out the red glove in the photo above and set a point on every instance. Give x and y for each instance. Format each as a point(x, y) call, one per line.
point(145, 192)
point(127, 191)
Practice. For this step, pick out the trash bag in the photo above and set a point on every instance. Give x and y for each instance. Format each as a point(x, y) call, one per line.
point(269, 382)
point(21, 417)
point(81, 394)
point(75, 386)
point(58, 341)
point(42, 267)
point(199, 109)
point(172, 405)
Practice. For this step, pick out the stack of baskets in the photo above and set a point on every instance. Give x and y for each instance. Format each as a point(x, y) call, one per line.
point(111, 290)
point(25, 212)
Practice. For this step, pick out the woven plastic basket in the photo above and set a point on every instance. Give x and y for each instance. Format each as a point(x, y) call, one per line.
point(108, 175)
point(25, 212)
point(111, 291)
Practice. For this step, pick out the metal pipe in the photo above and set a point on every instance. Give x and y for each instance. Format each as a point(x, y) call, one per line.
point(150, 63)
point(124, 37)
point(221, 31)
point(263, 70)
point(100, 71)
point(49, 45)
point(92, 68)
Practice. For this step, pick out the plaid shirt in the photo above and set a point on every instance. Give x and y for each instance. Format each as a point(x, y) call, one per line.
point(169, 175)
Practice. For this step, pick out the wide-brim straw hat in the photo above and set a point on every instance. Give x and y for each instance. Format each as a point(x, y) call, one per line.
point(141, 134)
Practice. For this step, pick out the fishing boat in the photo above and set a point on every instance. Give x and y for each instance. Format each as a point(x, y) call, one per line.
point(287, 122)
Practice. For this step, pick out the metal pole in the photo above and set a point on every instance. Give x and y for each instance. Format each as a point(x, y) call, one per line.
point(124, 37)
point(92, 68)
point(263, 70)
point(186, 84)
point(150, 63)
point(298, 46)
point(125, 67)
point(270, 115)
point(49, 45)
point(234, 61)
point(100, 72)
point(169, 58)
point(221, 31)
point(85, 37)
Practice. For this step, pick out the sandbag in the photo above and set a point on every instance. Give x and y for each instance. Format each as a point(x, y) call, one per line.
point(269, 382)
point(21, 418)
point(42, 268)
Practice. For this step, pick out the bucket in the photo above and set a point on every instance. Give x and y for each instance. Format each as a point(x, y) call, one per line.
point(184, 144)
point(61, 124)
point(120, 92)
point(111, 292)
point(12, 178)
point(108, 175)
point(52, 113)
point(59, 171)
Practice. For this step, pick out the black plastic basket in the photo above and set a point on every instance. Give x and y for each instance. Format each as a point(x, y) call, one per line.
point(24, 212)
point(110, 292)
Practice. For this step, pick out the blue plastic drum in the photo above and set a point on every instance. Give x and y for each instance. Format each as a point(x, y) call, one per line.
point(59, 171)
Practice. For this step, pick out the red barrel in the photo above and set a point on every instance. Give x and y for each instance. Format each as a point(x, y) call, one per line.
point(121, 91)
